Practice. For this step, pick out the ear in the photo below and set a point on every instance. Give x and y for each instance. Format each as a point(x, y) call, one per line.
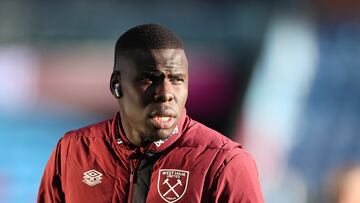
point(115, 86)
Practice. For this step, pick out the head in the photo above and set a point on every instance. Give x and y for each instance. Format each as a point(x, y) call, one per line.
point(150, 82)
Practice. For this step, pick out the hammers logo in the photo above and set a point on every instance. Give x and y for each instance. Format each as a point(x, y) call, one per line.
point(172, 184)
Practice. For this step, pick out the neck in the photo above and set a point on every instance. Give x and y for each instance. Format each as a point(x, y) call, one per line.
point(132, 135)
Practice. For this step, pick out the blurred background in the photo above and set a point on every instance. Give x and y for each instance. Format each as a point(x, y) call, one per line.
point(280, 77)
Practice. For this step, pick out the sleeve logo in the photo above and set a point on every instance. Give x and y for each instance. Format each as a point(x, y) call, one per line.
point(92, 177)
point(172, 184)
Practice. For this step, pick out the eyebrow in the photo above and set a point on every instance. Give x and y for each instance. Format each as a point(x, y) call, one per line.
point(158, 73)
point(176, 74)
point(176, 67)
point(150, 72)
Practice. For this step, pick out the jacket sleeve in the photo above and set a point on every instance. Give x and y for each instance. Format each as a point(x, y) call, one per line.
point(237, 179)
point(50, 189)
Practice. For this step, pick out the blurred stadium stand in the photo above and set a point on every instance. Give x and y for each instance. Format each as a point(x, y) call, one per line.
point(328, 135)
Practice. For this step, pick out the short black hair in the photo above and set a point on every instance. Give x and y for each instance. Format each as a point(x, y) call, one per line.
point(147, 36)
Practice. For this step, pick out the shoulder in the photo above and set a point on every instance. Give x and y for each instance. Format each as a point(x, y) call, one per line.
point(80, 142)
point(197, 134)
point(203, 138)
point(97, 130)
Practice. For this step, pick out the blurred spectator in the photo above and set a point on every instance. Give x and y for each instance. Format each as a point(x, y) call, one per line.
point(343, 185)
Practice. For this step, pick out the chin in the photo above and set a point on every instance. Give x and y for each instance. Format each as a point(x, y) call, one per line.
point(156, 136)
point(162, 134)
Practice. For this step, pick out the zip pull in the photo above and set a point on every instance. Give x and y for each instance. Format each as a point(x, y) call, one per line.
point(132, 172)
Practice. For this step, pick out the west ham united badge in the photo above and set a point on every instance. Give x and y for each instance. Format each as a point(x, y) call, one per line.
point(172, 184)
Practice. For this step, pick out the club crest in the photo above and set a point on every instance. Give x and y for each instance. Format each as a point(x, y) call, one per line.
point(172, 184)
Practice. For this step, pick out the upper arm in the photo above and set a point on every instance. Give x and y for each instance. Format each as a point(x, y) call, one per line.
point(50, 189)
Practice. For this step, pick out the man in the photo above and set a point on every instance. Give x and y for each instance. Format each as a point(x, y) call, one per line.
point(151, 151)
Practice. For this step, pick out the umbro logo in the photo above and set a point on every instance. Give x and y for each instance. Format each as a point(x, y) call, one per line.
point(92, 177)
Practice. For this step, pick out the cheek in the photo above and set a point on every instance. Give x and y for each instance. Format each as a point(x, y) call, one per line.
point(183, 94)
point(134, 112)
point(132, 102)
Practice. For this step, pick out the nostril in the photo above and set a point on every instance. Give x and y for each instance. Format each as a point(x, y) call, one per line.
point(159, 98)
point(164, 97)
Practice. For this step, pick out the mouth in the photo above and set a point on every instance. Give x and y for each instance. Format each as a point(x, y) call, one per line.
point(163, 122)
point(163, 119)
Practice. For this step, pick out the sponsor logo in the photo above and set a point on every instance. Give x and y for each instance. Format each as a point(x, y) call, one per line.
point(160, 142)
point(92, 177)
point(172, 184)
point(176, 130)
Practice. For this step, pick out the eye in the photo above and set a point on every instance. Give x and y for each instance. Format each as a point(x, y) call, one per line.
point(141, 79)
point(144, 79)
point(176, 79)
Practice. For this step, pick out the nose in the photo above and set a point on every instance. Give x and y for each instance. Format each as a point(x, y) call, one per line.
point(163, 92)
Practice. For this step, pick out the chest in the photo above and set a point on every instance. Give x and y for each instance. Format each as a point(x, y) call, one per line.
point(180, 175)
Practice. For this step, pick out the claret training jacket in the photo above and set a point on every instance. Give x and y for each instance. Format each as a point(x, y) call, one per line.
point(195, 164)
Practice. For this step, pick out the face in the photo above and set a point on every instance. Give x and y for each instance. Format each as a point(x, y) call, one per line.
point(154, 87)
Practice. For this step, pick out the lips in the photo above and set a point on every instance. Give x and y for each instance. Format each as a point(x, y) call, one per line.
point(163, 122)
point(162, 118)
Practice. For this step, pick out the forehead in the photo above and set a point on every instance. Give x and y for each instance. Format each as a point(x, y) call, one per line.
point(158, 59)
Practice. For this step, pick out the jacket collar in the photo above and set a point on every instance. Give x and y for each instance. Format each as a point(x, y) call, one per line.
point(154, 147)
